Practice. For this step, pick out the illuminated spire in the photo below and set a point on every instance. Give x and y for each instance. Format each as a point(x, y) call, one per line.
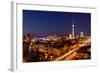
point(73, 29)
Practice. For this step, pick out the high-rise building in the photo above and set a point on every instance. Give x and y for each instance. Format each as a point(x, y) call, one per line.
point(81, 34)
point(70, 36)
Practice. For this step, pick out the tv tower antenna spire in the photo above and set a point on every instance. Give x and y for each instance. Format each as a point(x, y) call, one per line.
point(73, 29)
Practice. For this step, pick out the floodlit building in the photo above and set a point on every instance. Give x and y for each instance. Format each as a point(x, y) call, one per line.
point(81, 34)
point(70, 36)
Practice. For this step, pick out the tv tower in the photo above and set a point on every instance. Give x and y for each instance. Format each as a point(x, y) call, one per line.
point(73, 29)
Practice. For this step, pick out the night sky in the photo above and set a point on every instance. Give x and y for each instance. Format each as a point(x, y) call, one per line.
point(43, 23)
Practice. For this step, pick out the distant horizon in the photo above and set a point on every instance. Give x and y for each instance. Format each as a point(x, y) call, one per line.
point(52, 35)
point(43, 23)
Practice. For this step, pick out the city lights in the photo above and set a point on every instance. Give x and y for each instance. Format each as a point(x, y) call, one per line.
point(46, 38)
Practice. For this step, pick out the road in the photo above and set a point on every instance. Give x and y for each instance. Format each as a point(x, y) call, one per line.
point(69, 55)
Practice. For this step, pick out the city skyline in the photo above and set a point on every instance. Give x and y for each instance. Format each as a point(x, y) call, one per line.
point(42, 23)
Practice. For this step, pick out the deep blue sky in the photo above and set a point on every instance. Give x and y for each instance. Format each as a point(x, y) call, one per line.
point(42, 23)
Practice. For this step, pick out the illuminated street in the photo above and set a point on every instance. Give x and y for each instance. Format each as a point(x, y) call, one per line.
point(72, 54)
